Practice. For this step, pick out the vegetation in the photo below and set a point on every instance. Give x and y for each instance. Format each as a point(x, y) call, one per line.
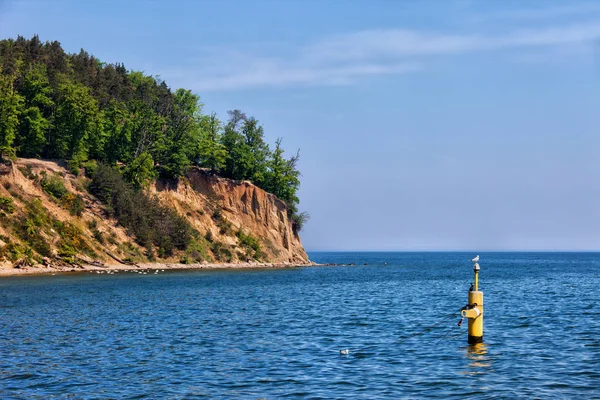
point(76, 108)
point(144, 217)
point(7, 204)
point(33, 228)
point(250, 243)
point(54, 186)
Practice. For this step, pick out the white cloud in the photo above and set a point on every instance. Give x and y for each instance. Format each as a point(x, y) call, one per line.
point(261, 73)
point(345, 58)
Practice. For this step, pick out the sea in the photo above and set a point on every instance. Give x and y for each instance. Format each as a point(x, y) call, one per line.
point(281, 333)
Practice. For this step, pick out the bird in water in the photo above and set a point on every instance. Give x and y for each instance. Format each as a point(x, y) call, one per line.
point(475, 259)
point(344, 352)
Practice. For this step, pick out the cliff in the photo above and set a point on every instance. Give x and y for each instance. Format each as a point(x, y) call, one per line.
point(233, 221)
point(211, 203)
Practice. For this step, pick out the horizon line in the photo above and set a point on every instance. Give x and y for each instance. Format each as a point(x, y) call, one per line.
point(456, 251)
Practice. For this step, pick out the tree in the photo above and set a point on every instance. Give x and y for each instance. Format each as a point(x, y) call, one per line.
point(282, 178)
point(37, 114)
point(259, 151)
point(78, 125)
point(211, 153)
point(118, 128)
point(238, 154)
point(180, 144)
point(247, 152)
point(140, 172)
point(33, 130)
point(11, 104)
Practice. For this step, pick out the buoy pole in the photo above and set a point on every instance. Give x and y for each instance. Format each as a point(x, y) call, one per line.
point(474, 309)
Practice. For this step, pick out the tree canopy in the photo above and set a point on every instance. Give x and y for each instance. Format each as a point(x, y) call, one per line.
point(76, 108)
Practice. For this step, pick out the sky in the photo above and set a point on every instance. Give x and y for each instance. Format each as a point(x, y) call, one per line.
point(422, 125)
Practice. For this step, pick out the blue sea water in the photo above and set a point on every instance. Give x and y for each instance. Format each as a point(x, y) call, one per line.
point(274, 334)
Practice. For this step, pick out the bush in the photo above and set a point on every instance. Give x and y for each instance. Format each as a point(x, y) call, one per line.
point(71, 240)
point(30, 226)
point(7, 204)
point(12, 251)
point(54, 186)
point(73, 166)
point(98, 235)
point(73, 203)
point(225, 227)
point(221, 251)
point(90, 168)
point(197, 251)
point(28, 172)
point(250, 243)
point(298, 221)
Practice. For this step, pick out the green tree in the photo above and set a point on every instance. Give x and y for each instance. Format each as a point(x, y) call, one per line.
point(211, 153)
point(233, 141)
point(258, 151)
point(78, 124)
point(283, 177)
point(11, 104)
point(147, 131)
point(140, 172)
point(118, 128)
point(37, 114)
point(33, 130)
point(180, 144)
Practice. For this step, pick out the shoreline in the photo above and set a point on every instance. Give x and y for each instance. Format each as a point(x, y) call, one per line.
point(142, 268)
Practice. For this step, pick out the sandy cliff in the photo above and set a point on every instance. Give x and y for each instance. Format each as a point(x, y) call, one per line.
point(42, 229)
point(245, 206)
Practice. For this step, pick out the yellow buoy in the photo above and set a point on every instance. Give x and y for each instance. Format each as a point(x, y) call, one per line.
point(474, 309)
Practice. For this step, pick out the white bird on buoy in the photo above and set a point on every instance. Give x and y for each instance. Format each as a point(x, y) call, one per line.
point(344, 352)
point(475, 259)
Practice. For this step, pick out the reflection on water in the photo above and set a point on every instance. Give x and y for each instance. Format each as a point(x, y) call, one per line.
point(478, 359)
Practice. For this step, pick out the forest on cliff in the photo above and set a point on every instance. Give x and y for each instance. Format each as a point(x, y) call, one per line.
point(76, 108)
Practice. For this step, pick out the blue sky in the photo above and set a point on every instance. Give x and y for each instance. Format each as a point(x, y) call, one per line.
point(422, 125)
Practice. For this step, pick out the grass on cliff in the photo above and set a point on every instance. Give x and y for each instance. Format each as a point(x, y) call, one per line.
point(38, 231)
point(54, 186)
point(7, 205)
point(251, 244)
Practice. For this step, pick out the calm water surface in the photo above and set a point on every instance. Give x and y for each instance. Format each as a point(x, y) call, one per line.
point(278, 333)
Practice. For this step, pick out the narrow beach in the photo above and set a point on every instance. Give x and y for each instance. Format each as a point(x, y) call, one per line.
point(8, 270)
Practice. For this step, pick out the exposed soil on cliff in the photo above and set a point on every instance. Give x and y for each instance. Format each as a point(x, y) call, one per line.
point(236, 222)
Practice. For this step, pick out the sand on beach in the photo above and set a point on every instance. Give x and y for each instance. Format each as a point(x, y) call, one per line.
point(7, 269)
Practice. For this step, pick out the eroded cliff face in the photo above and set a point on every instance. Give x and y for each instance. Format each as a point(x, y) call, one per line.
point(235, 221)
point(211, 202)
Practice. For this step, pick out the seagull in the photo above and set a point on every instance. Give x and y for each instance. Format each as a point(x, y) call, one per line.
point(345, 352)
point(475, 259)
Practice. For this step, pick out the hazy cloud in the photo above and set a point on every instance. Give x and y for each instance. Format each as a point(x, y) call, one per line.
point(345, 58)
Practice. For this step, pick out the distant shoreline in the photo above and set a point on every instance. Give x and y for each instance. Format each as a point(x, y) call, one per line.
point(143, 267)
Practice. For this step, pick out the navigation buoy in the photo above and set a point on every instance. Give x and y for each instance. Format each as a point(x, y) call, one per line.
point(473, 311)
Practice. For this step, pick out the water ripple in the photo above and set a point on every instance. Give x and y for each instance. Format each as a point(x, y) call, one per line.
point(278, 333)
